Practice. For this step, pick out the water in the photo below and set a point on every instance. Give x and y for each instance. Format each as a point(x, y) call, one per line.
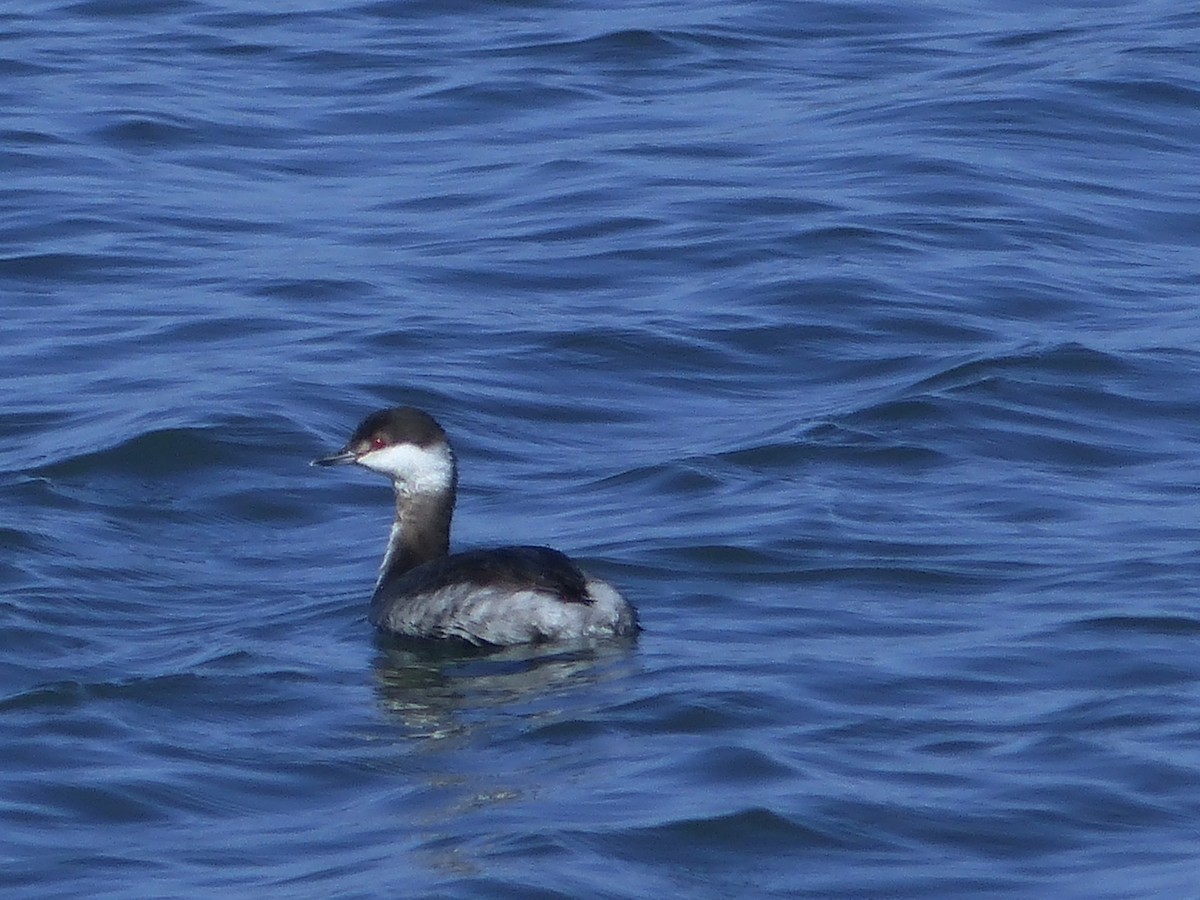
point(855, 341)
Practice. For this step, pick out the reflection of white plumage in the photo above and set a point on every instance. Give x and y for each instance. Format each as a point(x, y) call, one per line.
point(507, 595)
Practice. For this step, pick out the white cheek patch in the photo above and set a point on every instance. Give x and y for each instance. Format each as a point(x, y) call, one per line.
point(415, 469)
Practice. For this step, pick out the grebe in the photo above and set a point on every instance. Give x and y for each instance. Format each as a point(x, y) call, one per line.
point(507, 595)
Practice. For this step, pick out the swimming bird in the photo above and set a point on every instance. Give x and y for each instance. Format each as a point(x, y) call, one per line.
point(501, 596)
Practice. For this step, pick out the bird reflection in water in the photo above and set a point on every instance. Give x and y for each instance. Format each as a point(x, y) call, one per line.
point(434, 688)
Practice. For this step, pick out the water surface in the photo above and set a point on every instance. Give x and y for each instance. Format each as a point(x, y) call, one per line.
point(855, 341)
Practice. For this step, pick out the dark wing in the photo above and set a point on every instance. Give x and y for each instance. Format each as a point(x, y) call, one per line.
point(503, 567)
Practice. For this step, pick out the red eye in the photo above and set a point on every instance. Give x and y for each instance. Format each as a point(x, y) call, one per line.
point(378, 442)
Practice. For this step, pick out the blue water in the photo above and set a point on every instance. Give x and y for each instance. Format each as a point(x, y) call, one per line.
point(856, 342)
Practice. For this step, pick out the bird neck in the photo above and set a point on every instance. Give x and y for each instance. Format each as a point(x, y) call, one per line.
point(420, 533)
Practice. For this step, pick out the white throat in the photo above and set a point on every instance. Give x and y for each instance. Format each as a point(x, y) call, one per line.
point(413, 469)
